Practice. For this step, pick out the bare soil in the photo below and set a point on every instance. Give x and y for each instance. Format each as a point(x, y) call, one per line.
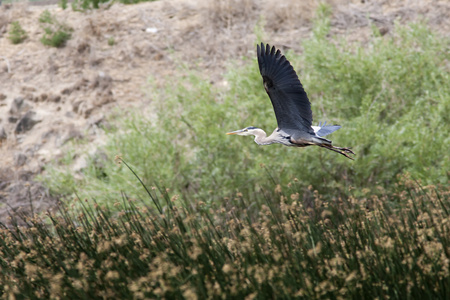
point(49, 96)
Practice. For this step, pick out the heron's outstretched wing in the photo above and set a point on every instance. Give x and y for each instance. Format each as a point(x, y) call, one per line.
point(290, 102)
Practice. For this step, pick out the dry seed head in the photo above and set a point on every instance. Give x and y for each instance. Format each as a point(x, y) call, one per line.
point(300, 293)
point(216, 288)
point(226, 268)
point(31, 269)
point(118, 159)
point(326, 213)
point(189, 293)
point(112, 275)
point(278, 189)
point(316, 250)
point(351, 276)
point(121, 240)
point(77, 284)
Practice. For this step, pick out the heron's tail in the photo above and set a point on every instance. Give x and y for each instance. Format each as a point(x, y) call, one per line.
point(324, 130)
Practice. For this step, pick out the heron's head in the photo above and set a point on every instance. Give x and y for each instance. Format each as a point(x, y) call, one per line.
point(246, 131)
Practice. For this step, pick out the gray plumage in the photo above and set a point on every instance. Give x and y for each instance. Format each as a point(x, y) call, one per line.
point(291, 106)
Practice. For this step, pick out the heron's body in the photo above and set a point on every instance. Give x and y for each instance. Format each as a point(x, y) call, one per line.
point(291, 105)
point(283, 137)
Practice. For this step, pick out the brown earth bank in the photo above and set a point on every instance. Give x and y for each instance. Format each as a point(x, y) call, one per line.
point(50, 96)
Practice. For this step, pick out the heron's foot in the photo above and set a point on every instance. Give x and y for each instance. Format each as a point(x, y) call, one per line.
point(341, 150)
point(346, 150)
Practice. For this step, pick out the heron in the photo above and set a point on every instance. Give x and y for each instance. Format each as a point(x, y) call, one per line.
point(291, 105)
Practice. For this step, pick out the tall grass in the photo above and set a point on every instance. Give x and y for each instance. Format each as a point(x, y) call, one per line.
point(391, 97)
point(395, 246)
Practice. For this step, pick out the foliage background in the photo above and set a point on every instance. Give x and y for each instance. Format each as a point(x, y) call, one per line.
point(377, 92)
point(224, 218)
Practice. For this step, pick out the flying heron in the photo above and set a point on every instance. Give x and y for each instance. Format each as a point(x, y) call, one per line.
point(291, 105)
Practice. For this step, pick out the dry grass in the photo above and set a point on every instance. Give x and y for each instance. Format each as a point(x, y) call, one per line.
point(284, 15)
point(225, 14)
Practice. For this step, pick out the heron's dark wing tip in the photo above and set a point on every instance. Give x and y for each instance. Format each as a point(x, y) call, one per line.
point(290, 102)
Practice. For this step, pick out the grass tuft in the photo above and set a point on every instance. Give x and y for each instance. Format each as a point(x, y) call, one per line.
point(56, 34)
point(16, 33)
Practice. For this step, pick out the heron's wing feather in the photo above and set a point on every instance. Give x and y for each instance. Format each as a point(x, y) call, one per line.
point(290, 102)
point(326, 130)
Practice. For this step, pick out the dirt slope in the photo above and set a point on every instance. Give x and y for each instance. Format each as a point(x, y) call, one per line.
point(49, 96)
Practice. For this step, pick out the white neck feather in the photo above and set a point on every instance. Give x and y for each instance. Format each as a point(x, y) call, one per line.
point(261, 137)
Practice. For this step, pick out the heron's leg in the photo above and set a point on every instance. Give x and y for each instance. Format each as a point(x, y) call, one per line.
point(340, 150)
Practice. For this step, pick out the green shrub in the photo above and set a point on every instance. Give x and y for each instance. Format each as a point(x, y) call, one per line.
point(390, 96)
point(111, 41)
point(56, 34)
point(16, 33)
point(46, 17)
point(63, 4)
point(55, 38)
point(134, 1)
point(82, 5)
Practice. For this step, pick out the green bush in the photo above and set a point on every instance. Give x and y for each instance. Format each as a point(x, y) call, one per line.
point(82, 5)
point(111, 41)
point(63, 4)
point(16, 33)
point(56, 34)
point(391, 97)
point(46, 17)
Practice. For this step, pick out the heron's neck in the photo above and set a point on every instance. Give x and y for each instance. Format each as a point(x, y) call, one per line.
point(262, 139)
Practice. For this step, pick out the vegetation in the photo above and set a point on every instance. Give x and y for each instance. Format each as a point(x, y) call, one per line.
point(394, 246)
point(241, 221)
point(56, 34)
point(16, 33)
point(63, 4)
point(82, 5)
point(111, 41)
point(378, 93)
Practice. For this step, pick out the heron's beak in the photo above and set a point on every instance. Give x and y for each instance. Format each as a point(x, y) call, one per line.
point(235, 132)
